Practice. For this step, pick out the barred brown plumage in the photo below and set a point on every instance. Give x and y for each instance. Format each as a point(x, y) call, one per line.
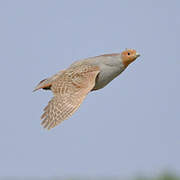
point(69, 89)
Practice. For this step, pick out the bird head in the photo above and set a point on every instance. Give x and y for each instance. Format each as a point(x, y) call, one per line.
point(128, 56)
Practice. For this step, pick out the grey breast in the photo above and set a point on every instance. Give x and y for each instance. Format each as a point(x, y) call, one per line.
point(110, 68)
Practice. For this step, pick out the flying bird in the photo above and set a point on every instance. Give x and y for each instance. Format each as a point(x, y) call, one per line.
point(71, 86)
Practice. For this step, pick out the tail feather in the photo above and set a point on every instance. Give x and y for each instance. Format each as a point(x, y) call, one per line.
point(44, 84)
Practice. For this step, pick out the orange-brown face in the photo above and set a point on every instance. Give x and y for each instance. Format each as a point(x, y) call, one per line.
point(128, 56)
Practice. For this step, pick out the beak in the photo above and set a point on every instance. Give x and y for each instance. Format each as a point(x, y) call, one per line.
point(137, 55)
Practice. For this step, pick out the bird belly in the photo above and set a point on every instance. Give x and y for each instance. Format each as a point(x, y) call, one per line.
point(104, 77)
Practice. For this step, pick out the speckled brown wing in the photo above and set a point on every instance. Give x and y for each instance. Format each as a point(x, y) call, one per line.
point(69, 89)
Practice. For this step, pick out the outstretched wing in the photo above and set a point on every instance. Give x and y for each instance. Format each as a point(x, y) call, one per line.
point(69, 89)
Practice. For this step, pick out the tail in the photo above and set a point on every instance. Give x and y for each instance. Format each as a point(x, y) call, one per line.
point(44, 84)
point(47, 83)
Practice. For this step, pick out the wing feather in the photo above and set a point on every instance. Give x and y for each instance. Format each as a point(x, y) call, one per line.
point(69, 89)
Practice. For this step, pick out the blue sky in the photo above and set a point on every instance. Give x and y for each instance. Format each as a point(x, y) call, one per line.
point(130, 127)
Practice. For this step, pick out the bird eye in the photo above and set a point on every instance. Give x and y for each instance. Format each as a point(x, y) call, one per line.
point(128, 53)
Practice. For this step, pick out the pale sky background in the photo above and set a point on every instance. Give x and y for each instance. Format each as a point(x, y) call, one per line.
point(130, 127)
